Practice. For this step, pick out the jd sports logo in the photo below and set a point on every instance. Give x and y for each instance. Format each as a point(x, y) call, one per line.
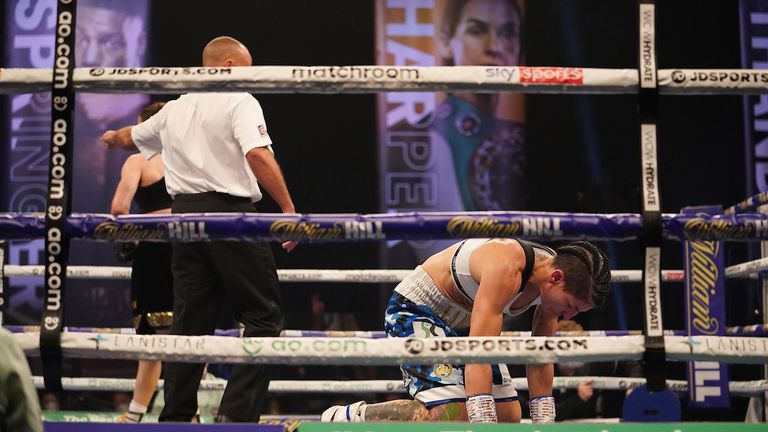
point(414, 346)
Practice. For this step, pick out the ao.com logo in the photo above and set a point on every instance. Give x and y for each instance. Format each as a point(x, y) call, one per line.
point(678, 76)
point(252, 347)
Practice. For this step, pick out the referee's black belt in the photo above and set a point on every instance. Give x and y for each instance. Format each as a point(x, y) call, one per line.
point(211, 196)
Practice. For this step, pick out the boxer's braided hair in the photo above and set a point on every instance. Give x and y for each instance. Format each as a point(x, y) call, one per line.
point(585, 266)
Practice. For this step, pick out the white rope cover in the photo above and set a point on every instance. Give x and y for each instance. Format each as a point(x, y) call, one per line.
point(737, 388)
point(330, 79)
point(310, 350)
point(359, 79)
point(353, 276)
point(747, 269)
point(360, 351)
point(299, 275)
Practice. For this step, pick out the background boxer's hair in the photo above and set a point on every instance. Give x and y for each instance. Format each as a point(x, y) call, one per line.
point(150, 110)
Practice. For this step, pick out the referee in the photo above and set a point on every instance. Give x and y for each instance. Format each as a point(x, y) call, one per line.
point(214, 148)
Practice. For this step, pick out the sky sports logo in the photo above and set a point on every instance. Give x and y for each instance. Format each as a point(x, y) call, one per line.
point(551, 75)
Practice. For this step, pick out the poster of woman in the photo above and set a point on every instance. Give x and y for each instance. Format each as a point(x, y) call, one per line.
point(458, 151)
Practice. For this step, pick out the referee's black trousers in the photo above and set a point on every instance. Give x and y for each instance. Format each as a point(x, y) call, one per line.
point(205, 275)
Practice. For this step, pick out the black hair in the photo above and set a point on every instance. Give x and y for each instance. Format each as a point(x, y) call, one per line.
point(587, 275)
point(150, 109)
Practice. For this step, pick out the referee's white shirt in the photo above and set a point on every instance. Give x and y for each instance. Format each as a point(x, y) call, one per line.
point(204, 138)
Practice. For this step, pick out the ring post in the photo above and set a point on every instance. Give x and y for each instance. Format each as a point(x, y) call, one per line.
point(59, 197)
point(652, 402)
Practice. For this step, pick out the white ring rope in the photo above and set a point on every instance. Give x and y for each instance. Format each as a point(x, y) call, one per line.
point(365, 79)
point(745, 270)
point(737, 388)
point(380, 334)
point(394, 351)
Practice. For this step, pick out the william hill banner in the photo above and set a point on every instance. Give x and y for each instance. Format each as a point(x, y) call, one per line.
point(705, 314)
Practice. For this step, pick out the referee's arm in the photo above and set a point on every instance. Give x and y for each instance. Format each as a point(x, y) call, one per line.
point(120, 138)
point(267, 172)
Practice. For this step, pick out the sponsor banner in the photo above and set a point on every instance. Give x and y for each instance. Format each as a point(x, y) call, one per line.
point(84, 417)
point(705, 314)
point(404, 226)
point(390, 351)
point(713, 81)
point(650, 168)
point(330, 79)
point(754, 40)
point(652, 296)
point(58, 421)
point(551, 75)
point(739, 227)
point(647, 46)
point(731, 349)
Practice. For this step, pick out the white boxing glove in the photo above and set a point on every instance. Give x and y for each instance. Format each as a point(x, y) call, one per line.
point(481, 408)
point(542, 409)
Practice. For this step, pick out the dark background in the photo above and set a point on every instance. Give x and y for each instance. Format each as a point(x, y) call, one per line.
point(583, 150)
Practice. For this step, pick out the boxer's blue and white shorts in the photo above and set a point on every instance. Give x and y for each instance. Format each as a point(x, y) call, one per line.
point(417, 309)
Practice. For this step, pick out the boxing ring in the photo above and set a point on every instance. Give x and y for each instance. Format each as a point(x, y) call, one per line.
point(655, 345)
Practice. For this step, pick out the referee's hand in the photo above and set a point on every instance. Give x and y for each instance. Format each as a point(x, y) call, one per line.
point(290, 245)
point(109, 139)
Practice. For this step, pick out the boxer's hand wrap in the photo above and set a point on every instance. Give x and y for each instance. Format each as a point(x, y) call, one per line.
point(542, 409)
point(481, 408)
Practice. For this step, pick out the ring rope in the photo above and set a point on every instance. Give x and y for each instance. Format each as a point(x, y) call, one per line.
point(395, 351)
point(378, 78)
point(737, 388)
point(738, 271)
point(749, 205)
point(390, 226)
point(748, 330)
